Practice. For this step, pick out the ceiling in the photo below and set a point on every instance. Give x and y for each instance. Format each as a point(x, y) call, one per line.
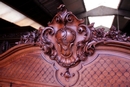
point(42, 11)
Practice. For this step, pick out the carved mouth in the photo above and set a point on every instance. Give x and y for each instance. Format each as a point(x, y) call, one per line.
point(66, 53)
point(64, 47)
point(66, 50)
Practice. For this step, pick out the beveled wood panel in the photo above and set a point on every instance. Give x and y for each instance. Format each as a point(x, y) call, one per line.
point(107, 70)
point(27, 67)
point(68, 53)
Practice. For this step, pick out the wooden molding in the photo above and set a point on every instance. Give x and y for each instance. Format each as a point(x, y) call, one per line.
point(67, 48)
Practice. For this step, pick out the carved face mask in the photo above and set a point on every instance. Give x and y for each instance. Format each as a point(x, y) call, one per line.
point(65, 39)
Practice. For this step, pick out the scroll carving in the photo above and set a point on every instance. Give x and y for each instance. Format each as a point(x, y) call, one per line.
point(64, 46)
point(68, 41)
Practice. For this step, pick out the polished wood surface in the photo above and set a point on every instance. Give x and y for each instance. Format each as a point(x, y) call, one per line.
point(29, 67)
point(68, 53)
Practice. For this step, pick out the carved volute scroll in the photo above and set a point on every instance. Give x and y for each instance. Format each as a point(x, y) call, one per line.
point(64, 38)
point(68, 41)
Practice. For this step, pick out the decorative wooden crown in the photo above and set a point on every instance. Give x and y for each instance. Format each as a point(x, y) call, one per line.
point(68, 41)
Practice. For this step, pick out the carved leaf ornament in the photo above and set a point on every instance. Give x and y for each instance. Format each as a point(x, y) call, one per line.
point(65, 39)
point(68, 41)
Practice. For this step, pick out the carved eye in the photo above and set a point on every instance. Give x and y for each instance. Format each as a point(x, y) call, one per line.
point(58, 20)
point(80, 30)
point(69, 18)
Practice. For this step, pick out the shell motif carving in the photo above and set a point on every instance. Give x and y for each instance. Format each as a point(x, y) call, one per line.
point(64, 38)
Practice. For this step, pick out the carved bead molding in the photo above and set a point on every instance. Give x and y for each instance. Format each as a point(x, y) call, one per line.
point(68, 41)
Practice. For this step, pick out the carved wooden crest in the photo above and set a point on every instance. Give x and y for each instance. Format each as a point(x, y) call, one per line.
point(68, 41)
point(65, 39)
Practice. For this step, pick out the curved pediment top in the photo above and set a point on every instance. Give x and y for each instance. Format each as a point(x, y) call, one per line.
point(61, 38)
point(16, 49)
point(68, 41)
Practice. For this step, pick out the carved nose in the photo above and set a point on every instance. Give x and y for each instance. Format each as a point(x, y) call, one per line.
point(64, 47)
point(65, 52)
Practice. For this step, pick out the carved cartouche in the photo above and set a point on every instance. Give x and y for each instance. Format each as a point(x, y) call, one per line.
point(61, 39)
